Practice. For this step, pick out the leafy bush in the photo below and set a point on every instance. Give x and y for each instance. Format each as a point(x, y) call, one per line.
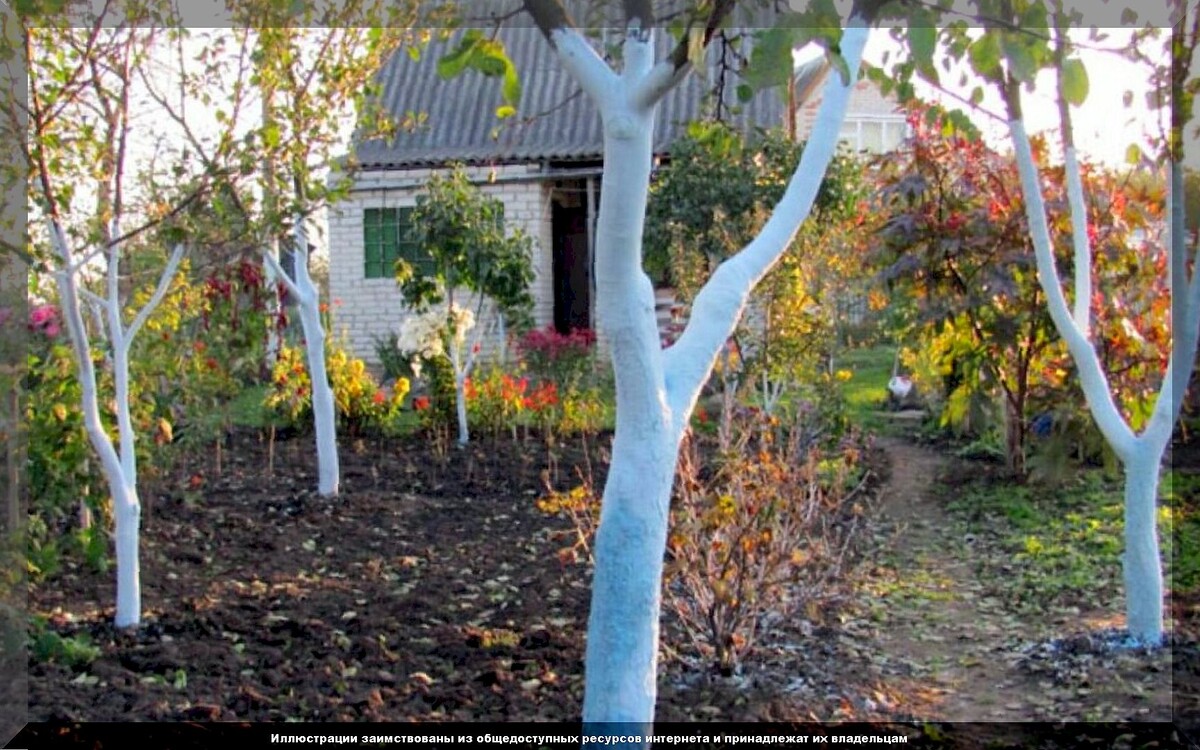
point(395, 363)
point(61, 473)
point(564, 359)
point(75, 652)
point(581, 505)
point(758, 529)
point(765, 529)
point(360, 403)
point(583, 411)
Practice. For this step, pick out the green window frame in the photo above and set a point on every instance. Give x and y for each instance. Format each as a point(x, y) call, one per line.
point(387, 239)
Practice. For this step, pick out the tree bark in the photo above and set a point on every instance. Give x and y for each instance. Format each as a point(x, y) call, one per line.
point(1142, 562)
point(308, 302)
point(656, 390)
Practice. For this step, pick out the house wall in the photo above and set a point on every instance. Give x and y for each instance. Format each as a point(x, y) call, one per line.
point(367, 308)
point(866, 104)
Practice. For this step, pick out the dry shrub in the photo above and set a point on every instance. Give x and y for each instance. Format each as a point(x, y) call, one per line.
point(765, 528)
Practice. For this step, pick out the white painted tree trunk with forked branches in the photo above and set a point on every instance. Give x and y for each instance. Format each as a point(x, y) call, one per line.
point(119, 462)
point(1140, 454)
point(657, 389)
point(308, 302)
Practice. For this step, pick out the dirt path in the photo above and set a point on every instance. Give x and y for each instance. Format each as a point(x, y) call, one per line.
point(944, 646)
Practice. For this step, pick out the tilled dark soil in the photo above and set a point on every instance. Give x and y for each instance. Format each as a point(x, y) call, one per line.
point(432, 589)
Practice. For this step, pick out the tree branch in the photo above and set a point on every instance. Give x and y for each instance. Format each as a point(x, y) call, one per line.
point(578, 57)
point(1079, 223)
point(549, 15)
point(164, 283)
point(668, 73)
point(277, 269)
point(1091, 376)
point(1185, 316)
point(720, 302)
point(91, 297)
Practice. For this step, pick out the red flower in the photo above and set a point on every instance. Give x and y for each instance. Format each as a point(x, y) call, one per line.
point(421, 403)
point(378, 398)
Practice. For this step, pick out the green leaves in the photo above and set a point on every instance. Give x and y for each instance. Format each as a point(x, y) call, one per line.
point(462, 231)
point(923, 43)
point(488, 56)
point(771, 60)
point(1074, 82)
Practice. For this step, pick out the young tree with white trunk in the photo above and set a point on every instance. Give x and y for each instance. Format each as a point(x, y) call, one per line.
point(81, 86)
point(462, 232)
point(1141, 453)
point(321, 78)
point(657, 388)
point(1009, 54)
point(309, 81)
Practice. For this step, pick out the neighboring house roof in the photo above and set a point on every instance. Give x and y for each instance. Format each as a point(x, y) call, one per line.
point(809, 76)
point(461, 122)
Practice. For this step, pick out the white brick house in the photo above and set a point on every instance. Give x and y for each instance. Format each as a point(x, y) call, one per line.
point(546, 170)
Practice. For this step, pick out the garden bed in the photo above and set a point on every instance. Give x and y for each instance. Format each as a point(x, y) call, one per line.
point(433, 590)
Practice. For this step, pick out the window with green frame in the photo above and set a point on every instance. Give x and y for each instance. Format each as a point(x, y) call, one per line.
point(386, 240)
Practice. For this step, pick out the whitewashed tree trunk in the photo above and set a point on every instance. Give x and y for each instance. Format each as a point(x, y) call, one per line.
point(118, 463)
point(657, 389)
point(274, 340)
point(308, 302)
point(1141, 455)
point(1142, 565)
point(460, 392)
point(462, 363)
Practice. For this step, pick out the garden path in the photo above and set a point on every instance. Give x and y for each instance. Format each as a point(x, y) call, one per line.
point(943, 642)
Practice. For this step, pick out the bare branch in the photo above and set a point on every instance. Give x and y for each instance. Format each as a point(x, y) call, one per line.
point(92, 297)
point(164, 283)
point(277, 269)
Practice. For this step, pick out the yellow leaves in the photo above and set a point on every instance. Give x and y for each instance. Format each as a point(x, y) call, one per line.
point(163, 433)
point(60, 412)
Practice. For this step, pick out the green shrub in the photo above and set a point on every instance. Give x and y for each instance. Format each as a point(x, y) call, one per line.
point(76, 652)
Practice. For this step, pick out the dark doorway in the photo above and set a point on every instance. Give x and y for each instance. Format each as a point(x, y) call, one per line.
point(572, 261)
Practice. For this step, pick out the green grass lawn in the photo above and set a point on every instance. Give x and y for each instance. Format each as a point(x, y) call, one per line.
point(866, 391)
point(1061, 544)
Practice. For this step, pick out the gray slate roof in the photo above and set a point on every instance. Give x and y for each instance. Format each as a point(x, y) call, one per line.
point(461, 120)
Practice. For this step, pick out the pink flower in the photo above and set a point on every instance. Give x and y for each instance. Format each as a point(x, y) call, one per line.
point(41, 314)
point(44, 318)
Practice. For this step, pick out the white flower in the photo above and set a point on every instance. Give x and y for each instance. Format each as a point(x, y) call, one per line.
point(425, 334)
